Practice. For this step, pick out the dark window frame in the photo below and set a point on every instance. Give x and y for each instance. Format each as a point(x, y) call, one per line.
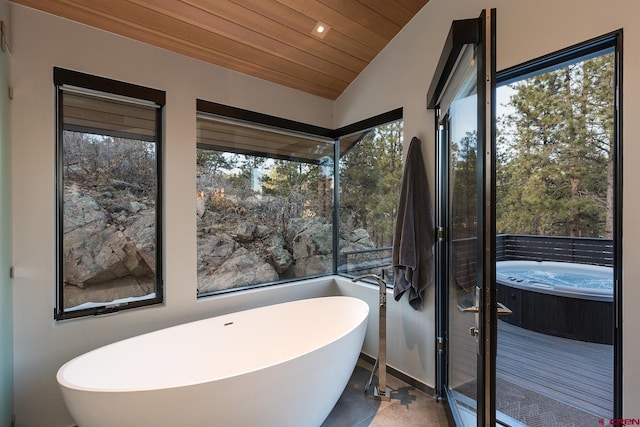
point(69, 78)
point(248, 117)
point(235, 113)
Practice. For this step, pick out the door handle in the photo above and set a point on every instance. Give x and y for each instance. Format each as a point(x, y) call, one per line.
point(472, 309)
point(502, 309)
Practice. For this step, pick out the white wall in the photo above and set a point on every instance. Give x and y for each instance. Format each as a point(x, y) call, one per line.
point(6, 300)
point(41, 41)
point(401, 74)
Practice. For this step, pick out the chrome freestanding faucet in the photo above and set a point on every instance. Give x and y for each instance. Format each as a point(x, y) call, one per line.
point(381, 392)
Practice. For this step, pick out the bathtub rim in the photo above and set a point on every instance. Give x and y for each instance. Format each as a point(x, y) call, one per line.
point(63, 382)
point(593, 294)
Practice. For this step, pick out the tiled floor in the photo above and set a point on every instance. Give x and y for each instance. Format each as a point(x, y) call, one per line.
point(408, 406)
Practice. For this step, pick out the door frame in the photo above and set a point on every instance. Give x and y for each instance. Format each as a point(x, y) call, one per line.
point(477, 32)
point(596, 45)
point(465, 32)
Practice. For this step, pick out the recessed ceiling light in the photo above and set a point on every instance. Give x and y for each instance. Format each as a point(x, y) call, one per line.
point(320, 30)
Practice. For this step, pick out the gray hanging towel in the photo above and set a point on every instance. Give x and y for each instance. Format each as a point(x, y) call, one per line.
point(414, 237)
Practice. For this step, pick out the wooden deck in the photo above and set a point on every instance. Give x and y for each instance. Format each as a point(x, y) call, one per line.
point(575, 373)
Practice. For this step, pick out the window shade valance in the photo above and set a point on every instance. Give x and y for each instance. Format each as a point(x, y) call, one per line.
point(244, 138)
point(91, 113)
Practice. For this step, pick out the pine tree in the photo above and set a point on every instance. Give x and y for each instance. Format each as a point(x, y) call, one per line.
point(370, 179)
point(555, 165)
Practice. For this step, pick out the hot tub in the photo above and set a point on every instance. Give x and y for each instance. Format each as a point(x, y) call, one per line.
point(558, 298)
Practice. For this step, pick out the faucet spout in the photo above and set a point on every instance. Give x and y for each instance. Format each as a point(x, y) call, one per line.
point(371, 276)
point(381, 283)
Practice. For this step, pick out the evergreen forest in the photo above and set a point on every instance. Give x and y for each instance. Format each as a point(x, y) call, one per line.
point(555, 152)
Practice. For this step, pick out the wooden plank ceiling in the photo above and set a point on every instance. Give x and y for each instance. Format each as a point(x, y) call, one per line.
point(269, 39)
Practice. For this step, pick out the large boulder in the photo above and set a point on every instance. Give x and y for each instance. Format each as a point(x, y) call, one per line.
point(316, 238)
point(355, 241)
point(360, 239)
point(244, 231)
point(280, 258)
point(312, 246)
point(142, 233)
point(96, 251)
point(215, 250)
point(312, 265)
point(354, 246)
point(243, 268)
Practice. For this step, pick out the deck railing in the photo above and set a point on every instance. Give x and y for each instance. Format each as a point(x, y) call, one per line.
point(582, 250)
point(374, 260)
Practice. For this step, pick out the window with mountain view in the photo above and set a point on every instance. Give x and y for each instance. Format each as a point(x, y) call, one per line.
point(108, 193)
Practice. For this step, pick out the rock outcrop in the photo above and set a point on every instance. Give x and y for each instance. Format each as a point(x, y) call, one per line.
point(96, 250)
point(109, 238)
point(243, 268)
point(312, 246)
point(303, 247)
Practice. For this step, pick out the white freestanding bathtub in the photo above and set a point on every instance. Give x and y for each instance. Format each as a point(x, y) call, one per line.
point(280, 365)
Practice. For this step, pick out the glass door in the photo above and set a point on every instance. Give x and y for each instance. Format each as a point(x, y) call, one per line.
point(557, 217)
point(463, 93)
point(460, 143)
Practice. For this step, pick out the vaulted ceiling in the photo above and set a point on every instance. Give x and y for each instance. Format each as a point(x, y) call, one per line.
point(270, 39)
